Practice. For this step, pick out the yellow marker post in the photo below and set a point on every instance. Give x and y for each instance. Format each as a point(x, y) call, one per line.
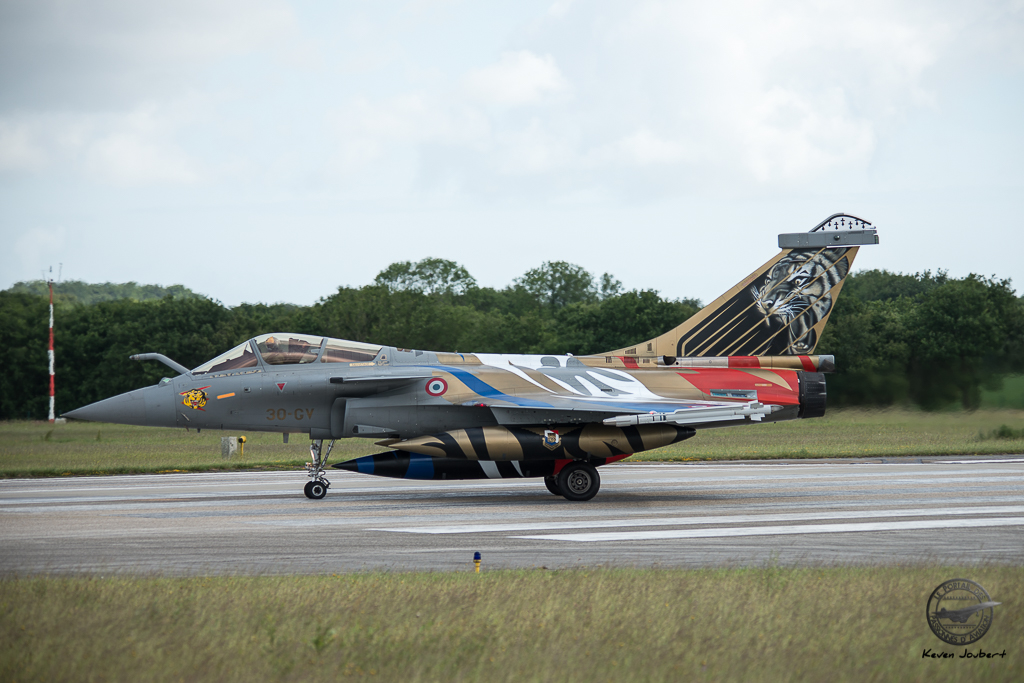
point(241, 446)
point(476, 561)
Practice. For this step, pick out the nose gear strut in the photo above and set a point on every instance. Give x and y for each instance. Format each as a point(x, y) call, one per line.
point(317, 487)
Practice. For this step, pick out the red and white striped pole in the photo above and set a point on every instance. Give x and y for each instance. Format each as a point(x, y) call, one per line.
point(50, 352)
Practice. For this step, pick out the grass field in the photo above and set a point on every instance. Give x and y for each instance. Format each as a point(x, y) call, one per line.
point(1010, 395)
point(855, 433)
point(763, 624)
point(40, 449)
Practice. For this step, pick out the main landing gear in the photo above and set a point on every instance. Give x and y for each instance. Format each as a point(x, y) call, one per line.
point(577, 481)
point(317, 487)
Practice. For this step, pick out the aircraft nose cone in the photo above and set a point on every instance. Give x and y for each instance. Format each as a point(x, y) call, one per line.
point(127, 409)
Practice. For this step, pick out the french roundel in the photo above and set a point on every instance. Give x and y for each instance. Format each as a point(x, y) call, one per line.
point(437, 386)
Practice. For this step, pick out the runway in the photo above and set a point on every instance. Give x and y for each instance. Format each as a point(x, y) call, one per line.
point(952, 510)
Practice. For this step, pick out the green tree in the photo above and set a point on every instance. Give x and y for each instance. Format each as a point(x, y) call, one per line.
point(429, 276)
point(872, 345)
point(928, 339)
point(86, 293)
point(557, 283)
point(96, 341)
point(967, 335)
point(924, 338)
point(24, 369)
point(609, 286)
point(616, 321)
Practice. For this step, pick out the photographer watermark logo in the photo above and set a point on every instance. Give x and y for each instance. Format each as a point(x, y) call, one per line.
point(960, 611)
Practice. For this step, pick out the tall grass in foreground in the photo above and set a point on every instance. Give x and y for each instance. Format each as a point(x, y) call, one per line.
point(766, 624)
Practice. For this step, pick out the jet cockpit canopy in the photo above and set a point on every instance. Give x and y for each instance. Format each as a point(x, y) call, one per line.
point(286, 348)
point(239, 357)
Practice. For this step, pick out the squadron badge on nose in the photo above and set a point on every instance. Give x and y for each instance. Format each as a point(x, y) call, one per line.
point(195, 398)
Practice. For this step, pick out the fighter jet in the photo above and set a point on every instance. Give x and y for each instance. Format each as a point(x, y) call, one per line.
point(745, 358)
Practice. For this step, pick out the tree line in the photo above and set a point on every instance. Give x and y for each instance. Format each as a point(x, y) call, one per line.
point(925, 338)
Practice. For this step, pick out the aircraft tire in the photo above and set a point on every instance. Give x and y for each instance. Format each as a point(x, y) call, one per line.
point(552, 484)
point(306, 489)
point(579, 481)
point(317, 490)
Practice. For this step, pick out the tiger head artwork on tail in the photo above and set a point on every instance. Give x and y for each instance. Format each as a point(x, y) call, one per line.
point(780, 309)
point(796, 295)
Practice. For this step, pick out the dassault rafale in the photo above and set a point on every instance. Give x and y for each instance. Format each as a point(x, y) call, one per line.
point(748, 357)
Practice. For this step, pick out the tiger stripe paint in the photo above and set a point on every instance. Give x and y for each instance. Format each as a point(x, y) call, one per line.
point(517, 444)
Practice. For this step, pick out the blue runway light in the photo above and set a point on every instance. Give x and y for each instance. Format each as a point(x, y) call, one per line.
point(476, 562)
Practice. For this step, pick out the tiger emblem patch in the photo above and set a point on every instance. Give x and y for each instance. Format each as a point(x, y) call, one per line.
point(195, 398)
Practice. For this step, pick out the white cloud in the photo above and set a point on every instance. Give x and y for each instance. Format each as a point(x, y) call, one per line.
point(766, 95)
point(36, 248)
point(780, 92)
point(18, 149)
point(777, 96)
point(518, 78)
point(131, 159)
point(138, 148)
point(788, 135)
point(132, 148)
point(367, 130)
point(534, 149)
point(560, 8)
point(81, 53)
point(645, 148)
point(265, 107)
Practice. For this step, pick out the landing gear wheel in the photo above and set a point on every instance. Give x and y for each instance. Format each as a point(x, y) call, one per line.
point(552, 484)
point(579, 481)
point(316, 489)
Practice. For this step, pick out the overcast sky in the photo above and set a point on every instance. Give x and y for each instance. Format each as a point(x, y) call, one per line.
point(264, 150)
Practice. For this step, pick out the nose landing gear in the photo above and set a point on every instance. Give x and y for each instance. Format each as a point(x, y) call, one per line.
point(317, 487)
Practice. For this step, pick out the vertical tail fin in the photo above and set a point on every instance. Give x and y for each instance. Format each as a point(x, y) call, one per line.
point(779, 309)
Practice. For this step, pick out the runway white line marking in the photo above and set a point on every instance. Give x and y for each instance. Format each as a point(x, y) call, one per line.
point(404, 485)
point(971, 462)
point(715, 519)
point(724, 532)
point(695, 471)
point(620, 477)
point(805, 482)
